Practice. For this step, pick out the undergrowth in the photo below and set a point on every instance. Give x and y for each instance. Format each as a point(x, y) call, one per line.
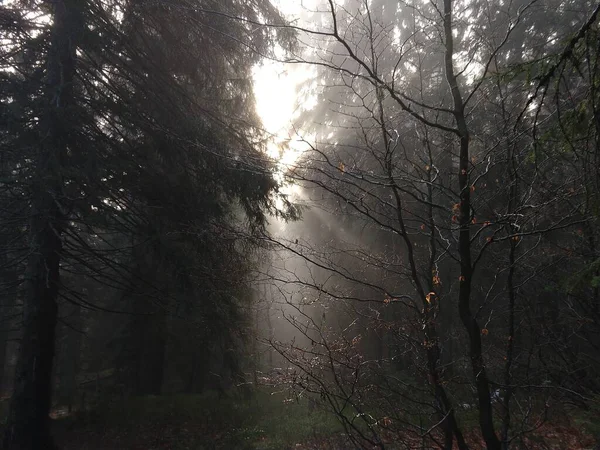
point(258, 421)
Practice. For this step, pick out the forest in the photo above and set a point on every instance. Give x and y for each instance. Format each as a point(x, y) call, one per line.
point(299, 224)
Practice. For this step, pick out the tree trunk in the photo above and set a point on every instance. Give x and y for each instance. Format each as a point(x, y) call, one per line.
point(486, 422)
point(71, 357)
point(508, 392)
point(30, 405)
point(28, 421)
point(198, 375)
point(6, 299)
point(3, 345)
point(432, 342)
point(151, 342)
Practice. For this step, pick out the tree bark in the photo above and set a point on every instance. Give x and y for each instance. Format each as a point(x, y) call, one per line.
point(486, 420)
point(6, 298)
point(431, 335)
point(151, 340)
point(70, 360)
point(28, 421)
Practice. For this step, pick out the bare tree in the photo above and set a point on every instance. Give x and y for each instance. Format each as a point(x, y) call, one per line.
point(424, 131)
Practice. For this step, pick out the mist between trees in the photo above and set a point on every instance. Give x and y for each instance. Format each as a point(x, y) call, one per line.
point(431, 278)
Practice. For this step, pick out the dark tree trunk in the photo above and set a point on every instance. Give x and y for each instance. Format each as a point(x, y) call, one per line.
point(486, 420)
point(6, 300)
point(3, 342)
point(508, 392)
point(271, 337)
point(71, 357)
point(197, 380)
point(28, 421)
point(448, 422)
point(28, 426)
point(150, 334)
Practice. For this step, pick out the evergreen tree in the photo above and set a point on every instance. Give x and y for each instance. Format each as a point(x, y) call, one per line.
point(139, 137)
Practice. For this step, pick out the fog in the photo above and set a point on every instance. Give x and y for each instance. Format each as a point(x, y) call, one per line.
point(323, 224)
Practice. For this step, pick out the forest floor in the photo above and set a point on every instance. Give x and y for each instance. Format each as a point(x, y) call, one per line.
point(193, 422)
point(262, 421)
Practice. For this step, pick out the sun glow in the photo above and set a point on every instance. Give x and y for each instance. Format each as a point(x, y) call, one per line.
point(276, 88)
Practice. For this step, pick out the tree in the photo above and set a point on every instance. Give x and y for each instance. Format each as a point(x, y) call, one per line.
point(425, 137)
point(138, 141)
